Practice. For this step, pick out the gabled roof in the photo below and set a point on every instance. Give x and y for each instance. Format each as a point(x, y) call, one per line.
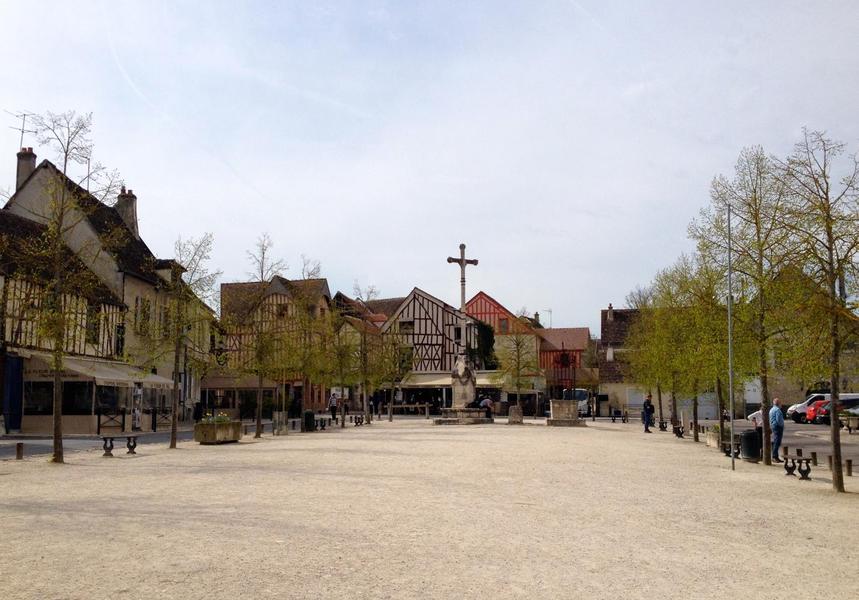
point(384, 306)
point(565, 338)
point(492, 301)
point(419, 292)
point(615, 330)
point(22, 256)
point(132, 255)
point(239, 298)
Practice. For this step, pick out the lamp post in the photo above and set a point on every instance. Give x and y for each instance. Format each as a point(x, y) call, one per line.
point(730, 343)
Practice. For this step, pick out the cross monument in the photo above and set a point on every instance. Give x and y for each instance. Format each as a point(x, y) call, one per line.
point(462, 262)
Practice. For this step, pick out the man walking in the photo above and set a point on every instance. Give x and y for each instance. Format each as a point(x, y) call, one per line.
point(777, 427)
point(647, 412)
point(332, 406)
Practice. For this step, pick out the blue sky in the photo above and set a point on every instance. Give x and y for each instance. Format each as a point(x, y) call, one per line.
point(567, 143)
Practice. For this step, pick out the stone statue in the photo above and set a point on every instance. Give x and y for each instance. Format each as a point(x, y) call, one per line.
point(463, 383)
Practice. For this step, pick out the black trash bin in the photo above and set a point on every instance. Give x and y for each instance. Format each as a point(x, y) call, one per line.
point(309, 420)
point(750, 446)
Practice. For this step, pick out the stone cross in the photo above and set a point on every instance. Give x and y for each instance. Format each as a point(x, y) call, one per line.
point(462, 262)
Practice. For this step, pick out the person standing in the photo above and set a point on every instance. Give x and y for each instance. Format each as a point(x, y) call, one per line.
point(332, 406)
point(647, 413)
point(777, 427)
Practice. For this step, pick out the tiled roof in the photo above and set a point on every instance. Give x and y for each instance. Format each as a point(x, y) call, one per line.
point(614, 331)
point(384, 306)
point(22, 255)
point(566, 338)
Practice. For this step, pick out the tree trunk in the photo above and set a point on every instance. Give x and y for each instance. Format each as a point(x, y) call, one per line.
point(835, 367)
point(391, 404)
point(57, 456)
point(659, 400)
point(177, 349)
point(695, 413)
point(258, 432)
point(674, 421)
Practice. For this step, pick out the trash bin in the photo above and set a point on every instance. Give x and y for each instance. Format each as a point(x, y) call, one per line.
point(309, 420)
point(750, 446)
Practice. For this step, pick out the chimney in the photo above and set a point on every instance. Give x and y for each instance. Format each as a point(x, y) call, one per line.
point(26, 165)
point(537, 317)
point(610, 314)
point(126, 206)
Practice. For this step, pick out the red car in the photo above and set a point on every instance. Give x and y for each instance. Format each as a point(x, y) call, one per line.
point(813, 411)
point(822, 415)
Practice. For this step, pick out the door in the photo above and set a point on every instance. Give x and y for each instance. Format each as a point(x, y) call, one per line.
point(13, 393)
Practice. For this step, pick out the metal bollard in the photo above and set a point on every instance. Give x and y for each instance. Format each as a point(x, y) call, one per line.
point(799, 451)
point(849, 467)
point(785, 451)
point(829, 460)
point(19, 451)
point(814, 458)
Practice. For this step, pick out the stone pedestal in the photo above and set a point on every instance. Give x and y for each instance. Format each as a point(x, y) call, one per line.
point(514, 415)
point(565, 413)
point(463, 416)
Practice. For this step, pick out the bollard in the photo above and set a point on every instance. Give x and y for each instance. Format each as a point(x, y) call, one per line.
point(849, 467)
point(785, 451)
point(814, 458)
point(19, 451)
point(829, 460)
point(426, 406)
point(799, 451)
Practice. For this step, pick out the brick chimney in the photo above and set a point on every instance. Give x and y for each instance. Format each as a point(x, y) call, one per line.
point(610, 315)
point(126, 206)
point(537, 318)
point(26, 165)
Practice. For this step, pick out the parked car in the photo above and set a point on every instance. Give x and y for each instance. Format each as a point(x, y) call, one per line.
point(797, 411)
point(823, 415)
point(811, 413)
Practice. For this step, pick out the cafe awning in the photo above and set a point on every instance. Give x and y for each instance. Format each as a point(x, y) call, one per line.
point(105, 373)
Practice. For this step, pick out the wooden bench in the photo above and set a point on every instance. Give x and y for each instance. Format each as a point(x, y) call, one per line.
point(622, 416)
point(794, 462)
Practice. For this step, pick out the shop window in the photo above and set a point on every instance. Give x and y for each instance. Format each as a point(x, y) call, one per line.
point(38, 397)
point(77, 398)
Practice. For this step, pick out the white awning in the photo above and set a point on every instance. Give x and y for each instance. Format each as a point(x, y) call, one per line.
point(37, 368)
point(426, 380)
point(103, 372)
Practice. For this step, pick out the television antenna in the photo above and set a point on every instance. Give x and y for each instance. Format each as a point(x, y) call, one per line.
point(549, 310)
point(23, 127)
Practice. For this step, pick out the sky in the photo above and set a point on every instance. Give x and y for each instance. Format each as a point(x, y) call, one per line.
point(567, 143)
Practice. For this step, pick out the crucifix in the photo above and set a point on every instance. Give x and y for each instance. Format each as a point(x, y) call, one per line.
point(462, 262)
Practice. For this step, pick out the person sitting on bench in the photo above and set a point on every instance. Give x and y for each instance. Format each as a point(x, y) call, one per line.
point(486, 404)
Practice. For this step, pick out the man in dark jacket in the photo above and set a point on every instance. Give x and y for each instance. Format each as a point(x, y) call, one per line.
point(647, 412)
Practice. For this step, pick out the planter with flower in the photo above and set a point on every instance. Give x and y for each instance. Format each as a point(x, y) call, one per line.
point(218, 429)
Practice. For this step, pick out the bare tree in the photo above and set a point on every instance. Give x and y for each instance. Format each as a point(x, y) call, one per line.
point(264, 268)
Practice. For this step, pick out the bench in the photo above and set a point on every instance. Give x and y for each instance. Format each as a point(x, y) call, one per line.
point(726, 447)
point(617, 415)
point(130, 441)
point(797, 463)
point(678, 431)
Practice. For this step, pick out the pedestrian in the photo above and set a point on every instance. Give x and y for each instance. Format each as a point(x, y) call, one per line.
point(486, 404)
point(647, 412)
point(777, 427)
point(332, 405)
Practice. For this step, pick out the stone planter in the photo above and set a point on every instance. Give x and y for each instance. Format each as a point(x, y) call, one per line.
point(514, 415)
point(713, 440)
point(218, 433)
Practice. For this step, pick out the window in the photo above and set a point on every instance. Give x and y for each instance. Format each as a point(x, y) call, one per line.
point(407, 327)
point(406, 358)
point(609, 354)
point(119, 340)
point(457, 334)
point(93, 323)
point(503, 325)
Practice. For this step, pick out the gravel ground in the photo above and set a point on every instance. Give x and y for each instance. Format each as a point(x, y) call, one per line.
point(408, 510)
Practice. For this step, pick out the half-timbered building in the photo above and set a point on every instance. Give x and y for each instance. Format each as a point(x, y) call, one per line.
point(282, 313)
point(431, 333)
point(115, 321)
